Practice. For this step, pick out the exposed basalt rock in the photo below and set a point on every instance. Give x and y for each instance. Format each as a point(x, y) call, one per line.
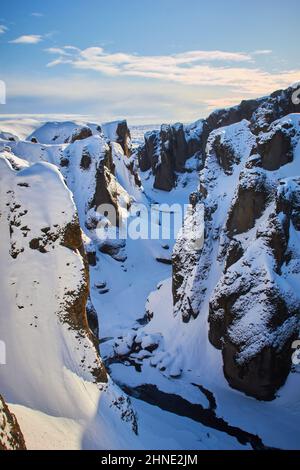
point(288, 200)
point(185, 257)
point(167, 150)
point(274, 107)
point(71, 236)
point(249, 203)
point(77, 309)
point(143, 158)
point(186, 141)
point(124, 137)
point(81, 133)
point(92, 258)
point(252, 220)
point(276, 238)
point(106, 193)
point(64, 162)
point(92, 318)
point(229, 116)
point(86, 159)
point(275, 151)
point(256, 353)
point(133, 170)
point(114, 248)
point(252, 318)
point(164, 173)
point(11, 437)
point(263, 375)
point(234, 253)
point(106, 189)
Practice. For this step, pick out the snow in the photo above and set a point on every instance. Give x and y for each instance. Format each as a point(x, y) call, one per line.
point(35, 332)
point(67, 409)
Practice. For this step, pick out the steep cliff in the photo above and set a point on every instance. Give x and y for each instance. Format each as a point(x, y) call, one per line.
point(166, 151)
point(53, 366)
point(248, 267)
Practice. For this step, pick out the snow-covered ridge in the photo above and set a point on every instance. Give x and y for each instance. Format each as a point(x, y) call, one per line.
point(228, 317)
point(53, 364)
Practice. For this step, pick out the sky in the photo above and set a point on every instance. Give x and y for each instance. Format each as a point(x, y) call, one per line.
point(149, 61)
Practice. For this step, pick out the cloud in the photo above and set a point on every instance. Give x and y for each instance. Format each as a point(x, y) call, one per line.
point(27, 39)
point(109, 99)
point(37, 14)
point(262, 52)
point(234, 70)
point(3, 29)
point(57, 50)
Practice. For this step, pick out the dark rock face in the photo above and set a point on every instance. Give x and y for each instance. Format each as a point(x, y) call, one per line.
point(257, 356)
point(92, 258)
point(81, 133)
point(276, 151)
point(186, 141)
point(143, 158)
point(113, 248)
point(249, 203)
point(166, 152)
point(226, 155)
point(277, 105)
point(263, 375)
point(288, 200)
point(234, 253)
point(185, 258)
point(78, 309)
point(164, 174)
point(11, 437)
point(226, 117)
point(252, 216)
point(124, 137)
point(106, 191)
point(86, 159)
point(92, 319)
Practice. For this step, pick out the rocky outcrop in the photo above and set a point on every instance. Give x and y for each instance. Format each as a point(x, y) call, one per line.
point(80, 133)
point(166, 151)
point(274, 107)
point(253, 318)
point(118, 131)
point(250, 191)
point(42, 237)
point(276, 146)
point(250, 201)
point(124, 137)
point(11, 437)
point(185, 259)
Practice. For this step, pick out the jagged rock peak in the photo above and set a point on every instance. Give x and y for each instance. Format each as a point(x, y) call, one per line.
point(11, 437)
point(249, 188)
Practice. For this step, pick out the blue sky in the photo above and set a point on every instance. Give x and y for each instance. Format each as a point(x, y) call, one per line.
point(147, 60)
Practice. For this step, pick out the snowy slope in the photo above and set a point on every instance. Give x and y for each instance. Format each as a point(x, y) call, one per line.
point(155, 337)
point(52, 365)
